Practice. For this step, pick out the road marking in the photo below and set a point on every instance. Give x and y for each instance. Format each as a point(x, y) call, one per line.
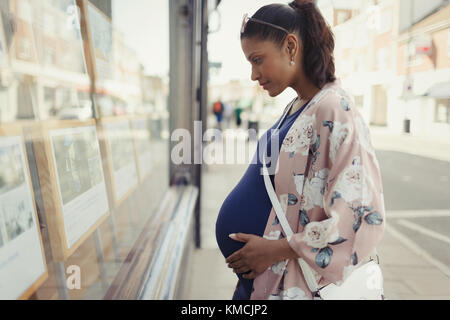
point(417, 214)
point(425, 231)
point(418, 250)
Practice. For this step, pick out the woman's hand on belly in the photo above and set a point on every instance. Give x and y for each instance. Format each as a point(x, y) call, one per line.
point(258, 254)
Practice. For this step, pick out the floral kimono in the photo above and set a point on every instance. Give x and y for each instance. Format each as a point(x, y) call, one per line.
point(329, 185)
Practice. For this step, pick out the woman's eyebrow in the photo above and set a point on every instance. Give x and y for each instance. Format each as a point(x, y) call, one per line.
point(251, 55)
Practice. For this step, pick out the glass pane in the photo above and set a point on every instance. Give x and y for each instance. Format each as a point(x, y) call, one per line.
point(83, 152)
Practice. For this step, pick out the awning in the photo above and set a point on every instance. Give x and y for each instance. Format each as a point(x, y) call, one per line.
point(439, 90)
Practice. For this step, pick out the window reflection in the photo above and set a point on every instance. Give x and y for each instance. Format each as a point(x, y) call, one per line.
point(83, 163)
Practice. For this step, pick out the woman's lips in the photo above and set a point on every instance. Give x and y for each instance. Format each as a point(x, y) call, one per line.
point(265, 85)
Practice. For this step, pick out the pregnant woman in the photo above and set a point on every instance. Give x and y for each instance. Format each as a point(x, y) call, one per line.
point(322, 165)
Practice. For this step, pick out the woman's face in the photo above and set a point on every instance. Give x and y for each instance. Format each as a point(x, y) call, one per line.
point(270, 64)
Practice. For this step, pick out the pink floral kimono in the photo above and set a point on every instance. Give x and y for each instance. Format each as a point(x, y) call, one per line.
point(329, 184)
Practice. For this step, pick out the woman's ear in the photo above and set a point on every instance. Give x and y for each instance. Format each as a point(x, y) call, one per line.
point(291, 45)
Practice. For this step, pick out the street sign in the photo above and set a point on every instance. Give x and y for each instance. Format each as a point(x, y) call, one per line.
point(423, 45)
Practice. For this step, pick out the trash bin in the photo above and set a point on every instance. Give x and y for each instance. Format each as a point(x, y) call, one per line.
point(253, 125)
point(253, 129)
point(406, 125)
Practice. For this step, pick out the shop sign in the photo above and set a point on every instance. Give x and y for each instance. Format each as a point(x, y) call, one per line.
point(423, 45)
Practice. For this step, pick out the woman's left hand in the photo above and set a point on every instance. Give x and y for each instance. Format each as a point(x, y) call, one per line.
point(256, 256)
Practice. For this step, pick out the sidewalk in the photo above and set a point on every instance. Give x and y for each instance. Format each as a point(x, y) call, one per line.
point(407, 274)
point(432, 147)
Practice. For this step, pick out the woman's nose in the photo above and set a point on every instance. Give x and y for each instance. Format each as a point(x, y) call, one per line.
point(255, 74)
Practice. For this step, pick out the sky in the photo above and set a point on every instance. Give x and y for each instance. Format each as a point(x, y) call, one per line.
point(225, 45)
point(145, 24)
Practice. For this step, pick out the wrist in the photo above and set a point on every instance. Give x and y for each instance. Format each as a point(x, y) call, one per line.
point(284, 250)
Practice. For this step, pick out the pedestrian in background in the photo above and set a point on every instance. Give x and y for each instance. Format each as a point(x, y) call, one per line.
point(218, 110)
point(238, 110)
point(227, 114)
point(326, 175)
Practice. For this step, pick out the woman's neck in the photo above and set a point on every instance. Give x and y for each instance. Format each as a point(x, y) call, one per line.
point(306, 90)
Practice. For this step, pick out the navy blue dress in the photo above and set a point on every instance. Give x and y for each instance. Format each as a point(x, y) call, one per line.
point(247, 208)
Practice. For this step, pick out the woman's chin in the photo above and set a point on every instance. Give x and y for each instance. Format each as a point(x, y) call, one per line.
point(273, 93)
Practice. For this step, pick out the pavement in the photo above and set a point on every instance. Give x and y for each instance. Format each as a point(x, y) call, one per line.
point(409, 272)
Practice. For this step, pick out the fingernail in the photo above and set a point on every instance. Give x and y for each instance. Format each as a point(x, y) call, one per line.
point(232, 235)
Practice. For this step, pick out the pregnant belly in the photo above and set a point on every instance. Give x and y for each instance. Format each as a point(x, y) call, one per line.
point(246, 210)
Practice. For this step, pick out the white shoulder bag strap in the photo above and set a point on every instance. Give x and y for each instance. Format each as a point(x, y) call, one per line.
point(306, 269)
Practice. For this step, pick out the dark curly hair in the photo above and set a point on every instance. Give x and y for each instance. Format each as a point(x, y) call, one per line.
point(303, 18)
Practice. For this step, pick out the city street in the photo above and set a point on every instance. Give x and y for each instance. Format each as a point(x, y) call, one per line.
point(417, 199)
point(414, 182)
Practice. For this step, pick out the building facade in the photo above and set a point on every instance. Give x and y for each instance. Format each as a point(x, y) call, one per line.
point(393, 56)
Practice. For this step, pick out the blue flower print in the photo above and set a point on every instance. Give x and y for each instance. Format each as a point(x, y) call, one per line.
point(345, 104)
point(329, 124)
point(323, 258)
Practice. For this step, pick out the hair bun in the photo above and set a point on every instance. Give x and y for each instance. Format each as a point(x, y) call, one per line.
point(302, 2)
point(296, 4)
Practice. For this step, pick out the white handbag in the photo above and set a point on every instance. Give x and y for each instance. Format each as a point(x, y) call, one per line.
point(364, 282)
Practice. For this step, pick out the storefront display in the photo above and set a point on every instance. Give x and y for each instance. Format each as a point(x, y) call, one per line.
point(22, 260)
point(81, 184)
point(57, 36)
point(101, 34)
point(23, 44)
point(121, 156)
point(75, 195)
point(77, 164)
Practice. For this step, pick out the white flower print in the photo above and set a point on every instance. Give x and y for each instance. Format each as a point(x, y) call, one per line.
point(284, 202)
point(352, 183)
point(301, 135)
point(318, 234)
point(338, 137)
point(315, 189)
point(299, 180)
point(306, 201)
point(278, 268)
point(294, 293)
point(273, 235)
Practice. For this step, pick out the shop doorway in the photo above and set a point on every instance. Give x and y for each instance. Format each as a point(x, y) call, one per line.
point(379, 106)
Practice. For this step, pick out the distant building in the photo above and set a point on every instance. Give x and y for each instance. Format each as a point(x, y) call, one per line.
point(394, 57)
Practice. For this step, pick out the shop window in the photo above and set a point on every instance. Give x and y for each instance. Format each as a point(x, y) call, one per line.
point(442, 113)
point(81, 172)
point(413, 59)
